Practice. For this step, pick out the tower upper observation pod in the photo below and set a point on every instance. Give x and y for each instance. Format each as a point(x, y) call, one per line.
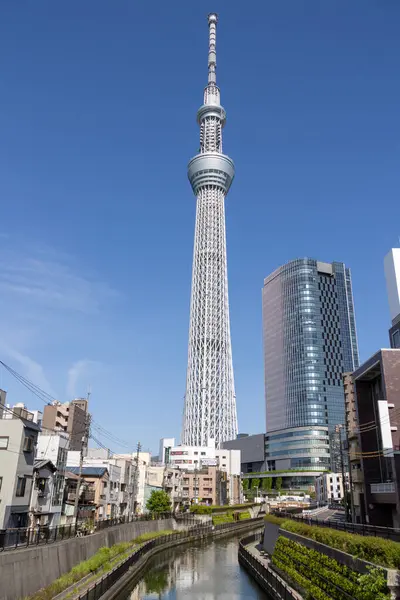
point(218, 169)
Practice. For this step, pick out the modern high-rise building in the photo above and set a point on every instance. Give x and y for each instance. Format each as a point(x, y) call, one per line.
point(210, 405)
point(309, 342)
point(392, 274)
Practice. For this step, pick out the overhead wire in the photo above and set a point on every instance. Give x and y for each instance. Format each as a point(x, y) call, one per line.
point(48, 399)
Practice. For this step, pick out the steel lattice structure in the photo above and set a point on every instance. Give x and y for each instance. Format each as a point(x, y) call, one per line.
point(210, 404)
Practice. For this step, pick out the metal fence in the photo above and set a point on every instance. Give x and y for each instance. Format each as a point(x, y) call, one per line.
point(370, 530)
point(106, 582)
point(23, 536)
point(262, 573)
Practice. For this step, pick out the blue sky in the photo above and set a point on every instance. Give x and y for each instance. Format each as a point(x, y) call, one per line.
point(97, 119)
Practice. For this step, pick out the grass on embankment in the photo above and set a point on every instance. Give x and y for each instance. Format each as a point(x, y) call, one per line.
point(220, 519)
point(379, 551)
point(101, 562)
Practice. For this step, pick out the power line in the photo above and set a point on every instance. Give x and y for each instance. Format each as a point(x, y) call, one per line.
point(48, 399)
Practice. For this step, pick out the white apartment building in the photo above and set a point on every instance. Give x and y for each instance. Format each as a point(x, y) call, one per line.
point(166, 445)
point(18, 437)
point(198, 457)
point(329, 488)
point(192, 457)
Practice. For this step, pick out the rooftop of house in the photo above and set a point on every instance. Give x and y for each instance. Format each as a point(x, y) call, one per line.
point(88, 471)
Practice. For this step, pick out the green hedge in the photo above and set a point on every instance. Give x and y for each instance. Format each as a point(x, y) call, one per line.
point(244, 515)
point(201, 509)
point(324, 578)
point(224, 518)
point(373, 549)
point(275, 520)
point(257, 473)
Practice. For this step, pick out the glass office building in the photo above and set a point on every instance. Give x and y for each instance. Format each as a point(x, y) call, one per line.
point(309, 342)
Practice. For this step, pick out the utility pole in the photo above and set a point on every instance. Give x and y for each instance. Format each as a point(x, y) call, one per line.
point(136, 477)
point(84, 444)
point(344, 483)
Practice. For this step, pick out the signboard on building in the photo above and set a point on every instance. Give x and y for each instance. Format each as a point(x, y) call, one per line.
point(209, 462)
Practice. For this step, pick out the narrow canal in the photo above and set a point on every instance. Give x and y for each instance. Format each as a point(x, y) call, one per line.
point(202, 571)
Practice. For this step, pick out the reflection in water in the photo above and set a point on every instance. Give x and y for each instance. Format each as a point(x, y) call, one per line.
point(205, 571)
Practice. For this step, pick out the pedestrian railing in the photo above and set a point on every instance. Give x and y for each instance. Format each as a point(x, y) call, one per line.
point(359, 528)
point(25, 536)
point(105, 583)
point(270, 581)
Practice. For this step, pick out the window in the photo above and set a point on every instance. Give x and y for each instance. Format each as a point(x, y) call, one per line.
point(28, 444)
point(196, 453)
point(104, 484)
point(21, 483)
point(41, 484)
point(396, 339)
point(1, 482)
point(4, 443)
point(203, 453)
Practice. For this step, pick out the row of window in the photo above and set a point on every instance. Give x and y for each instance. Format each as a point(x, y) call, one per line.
point(301, 433)
point(27, 445)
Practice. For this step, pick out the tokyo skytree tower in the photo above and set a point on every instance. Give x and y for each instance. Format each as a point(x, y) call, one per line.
point(210, 404)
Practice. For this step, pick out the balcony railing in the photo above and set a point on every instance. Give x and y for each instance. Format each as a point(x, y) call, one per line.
point(85, 498)
point(383, 488)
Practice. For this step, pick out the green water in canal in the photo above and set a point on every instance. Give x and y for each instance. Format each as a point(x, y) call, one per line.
point(201, 571)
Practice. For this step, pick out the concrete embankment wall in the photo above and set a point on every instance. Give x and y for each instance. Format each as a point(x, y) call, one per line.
point(24, 572)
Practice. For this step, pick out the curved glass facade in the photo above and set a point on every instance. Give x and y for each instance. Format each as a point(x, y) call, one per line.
point(309, 342)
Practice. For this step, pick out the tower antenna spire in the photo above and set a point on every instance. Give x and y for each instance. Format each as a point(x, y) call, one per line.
point(212, 52)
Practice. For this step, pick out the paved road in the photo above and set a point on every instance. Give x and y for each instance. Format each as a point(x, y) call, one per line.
point(329, 514)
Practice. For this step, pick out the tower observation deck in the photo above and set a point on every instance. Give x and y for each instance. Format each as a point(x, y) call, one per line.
point(210, 404)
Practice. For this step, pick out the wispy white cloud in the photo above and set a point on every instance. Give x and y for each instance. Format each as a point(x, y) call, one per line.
point(47, 305)
point(52, 284)
point(32, 370)
point(77, 372)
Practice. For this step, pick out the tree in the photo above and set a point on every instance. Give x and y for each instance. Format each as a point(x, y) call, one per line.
point(245, 484)
point(278, 483)
point(158, 502)
point(267, 484)
point(255, 483)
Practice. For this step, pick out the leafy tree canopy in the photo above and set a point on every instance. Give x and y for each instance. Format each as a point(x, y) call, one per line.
point(158, 502)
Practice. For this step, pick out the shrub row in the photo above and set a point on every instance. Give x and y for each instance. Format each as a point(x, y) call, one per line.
point(223, 518)
point(323, 577)
point(244, 515)
point(379, 551)
point(201, 509)
point(274, 519)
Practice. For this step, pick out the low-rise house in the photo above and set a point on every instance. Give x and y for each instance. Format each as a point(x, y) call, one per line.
point(172, 484)
point(87, 499)
point(95, 483)
point(41, 506)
